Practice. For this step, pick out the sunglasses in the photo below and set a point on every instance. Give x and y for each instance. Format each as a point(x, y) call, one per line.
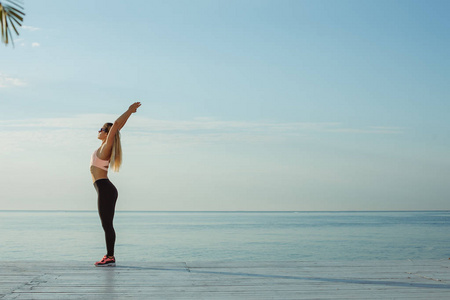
point(102, 129)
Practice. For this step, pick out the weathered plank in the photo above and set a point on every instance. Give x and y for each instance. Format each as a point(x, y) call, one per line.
point(227, 280)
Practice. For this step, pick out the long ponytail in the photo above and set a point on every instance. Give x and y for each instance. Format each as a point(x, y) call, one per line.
point(116, 151)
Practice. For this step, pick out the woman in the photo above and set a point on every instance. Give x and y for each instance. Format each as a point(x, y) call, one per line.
point(109, 153)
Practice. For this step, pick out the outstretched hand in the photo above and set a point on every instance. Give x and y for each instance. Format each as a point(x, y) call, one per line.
point(134, 106)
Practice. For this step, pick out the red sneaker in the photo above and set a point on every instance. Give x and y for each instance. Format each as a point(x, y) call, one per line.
point(106, 262)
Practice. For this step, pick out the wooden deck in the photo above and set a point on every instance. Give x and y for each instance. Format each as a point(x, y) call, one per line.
point(227, 280)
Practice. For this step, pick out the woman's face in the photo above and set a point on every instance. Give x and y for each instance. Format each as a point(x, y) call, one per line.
point(102, 133)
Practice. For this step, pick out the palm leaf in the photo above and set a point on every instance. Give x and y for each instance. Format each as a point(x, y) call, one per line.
point(10, 12)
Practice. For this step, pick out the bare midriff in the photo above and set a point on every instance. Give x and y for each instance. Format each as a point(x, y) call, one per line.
point(98, 173)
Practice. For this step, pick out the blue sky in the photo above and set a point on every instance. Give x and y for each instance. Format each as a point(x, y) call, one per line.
point(247, 105)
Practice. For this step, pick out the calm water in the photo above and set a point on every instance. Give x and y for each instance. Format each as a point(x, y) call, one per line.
point(246, 236)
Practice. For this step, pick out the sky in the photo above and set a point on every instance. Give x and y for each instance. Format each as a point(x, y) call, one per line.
point(246, 105)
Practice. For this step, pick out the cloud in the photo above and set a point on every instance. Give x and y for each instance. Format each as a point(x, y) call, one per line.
point(209, 125)
point(21, 41)
point(82, 129)
point(370, 130)
point(30, 28)
point(7, 81)
point(197, 126)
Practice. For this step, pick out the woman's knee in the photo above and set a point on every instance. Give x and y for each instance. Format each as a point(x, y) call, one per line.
point(108, 226)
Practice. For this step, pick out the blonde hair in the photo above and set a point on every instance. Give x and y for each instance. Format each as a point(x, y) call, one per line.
point(116, 151)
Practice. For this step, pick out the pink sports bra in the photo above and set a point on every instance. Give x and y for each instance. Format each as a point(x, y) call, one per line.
point(99, 163)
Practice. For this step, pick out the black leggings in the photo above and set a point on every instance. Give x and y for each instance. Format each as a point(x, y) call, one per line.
point(107, 197)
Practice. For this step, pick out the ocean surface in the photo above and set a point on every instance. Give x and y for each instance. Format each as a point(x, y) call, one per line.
point(227, 236)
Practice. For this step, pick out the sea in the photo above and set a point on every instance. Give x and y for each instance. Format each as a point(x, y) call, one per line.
point(227, 236)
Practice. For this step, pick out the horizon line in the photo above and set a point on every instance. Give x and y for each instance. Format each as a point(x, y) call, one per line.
point(225, 211)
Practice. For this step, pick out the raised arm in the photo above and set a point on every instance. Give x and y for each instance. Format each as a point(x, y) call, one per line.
point(120, 122)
